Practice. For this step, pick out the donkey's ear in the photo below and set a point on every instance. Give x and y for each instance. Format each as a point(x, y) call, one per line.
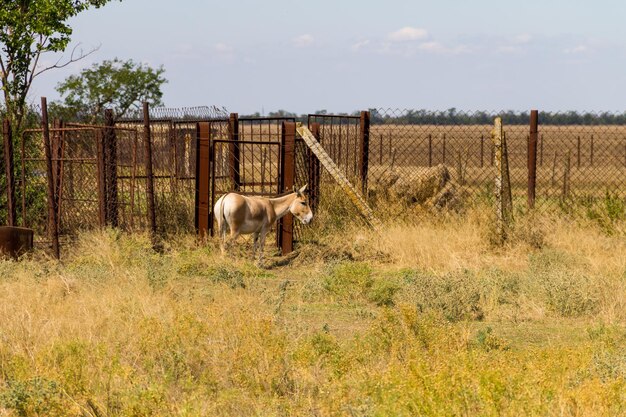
point(303, 189)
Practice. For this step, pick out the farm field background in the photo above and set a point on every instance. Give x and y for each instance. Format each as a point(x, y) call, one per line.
point(426, 319)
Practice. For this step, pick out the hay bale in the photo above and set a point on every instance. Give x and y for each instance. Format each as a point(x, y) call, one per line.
point(419, 190)
point(451, 196)
point(431, 187)
point(381, 185)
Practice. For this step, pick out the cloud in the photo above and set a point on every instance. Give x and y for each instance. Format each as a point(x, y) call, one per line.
point(222, 48)
point(224, 52)
point(431, 46)
point(408, 33)
point(303, 41)
point(522, 38)
point(360, 45)
point(439, 48)
point(579, 49)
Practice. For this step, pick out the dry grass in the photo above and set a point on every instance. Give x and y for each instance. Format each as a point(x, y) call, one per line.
point(428, 319)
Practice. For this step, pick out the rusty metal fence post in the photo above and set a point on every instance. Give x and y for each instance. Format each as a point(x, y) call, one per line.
point(203, 218)
point(287, 178)
point(532, 157)
point(233, 136)
point(149, 176)
point(53, 231)
point(364, 140)
point(314, 171)
point(110, 169)
point(9, 171)
point(56, 144)
point(101, 166)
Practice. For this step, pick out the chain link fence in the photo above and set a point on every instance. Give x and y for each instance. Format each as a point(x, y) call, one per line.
point(403, 161)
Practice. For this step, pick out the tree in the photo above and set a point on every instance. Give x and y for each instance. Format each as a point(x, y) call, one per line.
point(29, 29)
point(120, 85)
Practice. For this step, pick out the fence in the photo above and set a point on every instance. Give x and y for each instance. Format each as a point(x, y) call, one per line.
point(164, 171)
point(573, 163)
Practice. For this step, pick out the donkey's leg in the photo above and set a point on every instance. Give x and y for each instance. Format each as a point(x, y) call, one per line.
point(222, 235)
point(262, 235)
point(234, 234)
point(255, 244)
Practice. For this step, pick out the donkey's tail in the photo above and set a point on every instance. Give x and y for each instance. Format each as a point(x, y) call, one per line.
point(222, 219)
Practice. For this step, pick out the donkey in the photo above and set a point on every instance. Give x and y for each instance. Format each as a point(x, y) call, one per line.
point(256, 215)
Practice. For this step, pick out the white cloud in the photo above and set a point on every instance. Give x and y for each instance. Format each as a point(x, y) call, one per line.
point(439, 48)
point(522, 38)
point(408, 33)
point(303, 41)
point(432, 46)
point(222, 48)
point(579, 49)
point(360, 45)
point(508, 49)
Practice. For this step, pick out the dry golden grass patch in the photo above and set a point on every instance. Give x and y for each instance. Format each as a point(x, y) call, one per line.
point(425, 319)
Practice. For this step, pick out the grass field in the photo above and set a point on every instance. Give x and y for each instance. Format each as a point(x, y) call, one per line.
point(428, 319)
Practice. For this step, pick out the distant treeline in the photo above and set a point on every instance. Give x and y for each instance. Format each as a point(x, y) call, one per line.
point(385, 116)
point(456, 117)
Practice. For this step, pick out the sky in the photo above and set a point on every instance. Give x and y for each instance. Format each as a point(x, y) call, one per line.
point(346, 55)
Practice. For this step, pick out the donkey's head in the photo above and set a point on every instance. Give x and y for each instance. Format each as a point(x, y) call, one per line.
point(300, 206)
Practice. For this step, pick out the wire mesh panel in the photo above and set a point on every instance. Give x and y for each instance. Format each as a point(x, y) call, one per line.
point(581, 167)
point(131, 203)
point(417, 160)
point(339, 135)
point(258, 162)
point(174, 139)
point(76, 173)
point(31, 176)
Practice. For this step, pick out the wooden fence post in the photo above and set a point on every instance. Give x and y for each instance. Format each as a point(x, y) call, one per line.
point(430, 150)
point(502, 216)
point(53, 230)
point(147, 136)
point(532, 157)
point(364, 146)
point(9, 171)
point(287, 164)
point(235, 163)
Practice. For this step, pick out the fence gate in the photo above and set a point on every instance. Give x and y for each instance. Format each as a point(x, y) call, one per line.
point(250, 160)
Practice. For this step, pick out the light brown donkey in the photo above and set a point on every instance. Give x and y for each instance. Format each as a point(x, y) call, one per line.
point(256, 215)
